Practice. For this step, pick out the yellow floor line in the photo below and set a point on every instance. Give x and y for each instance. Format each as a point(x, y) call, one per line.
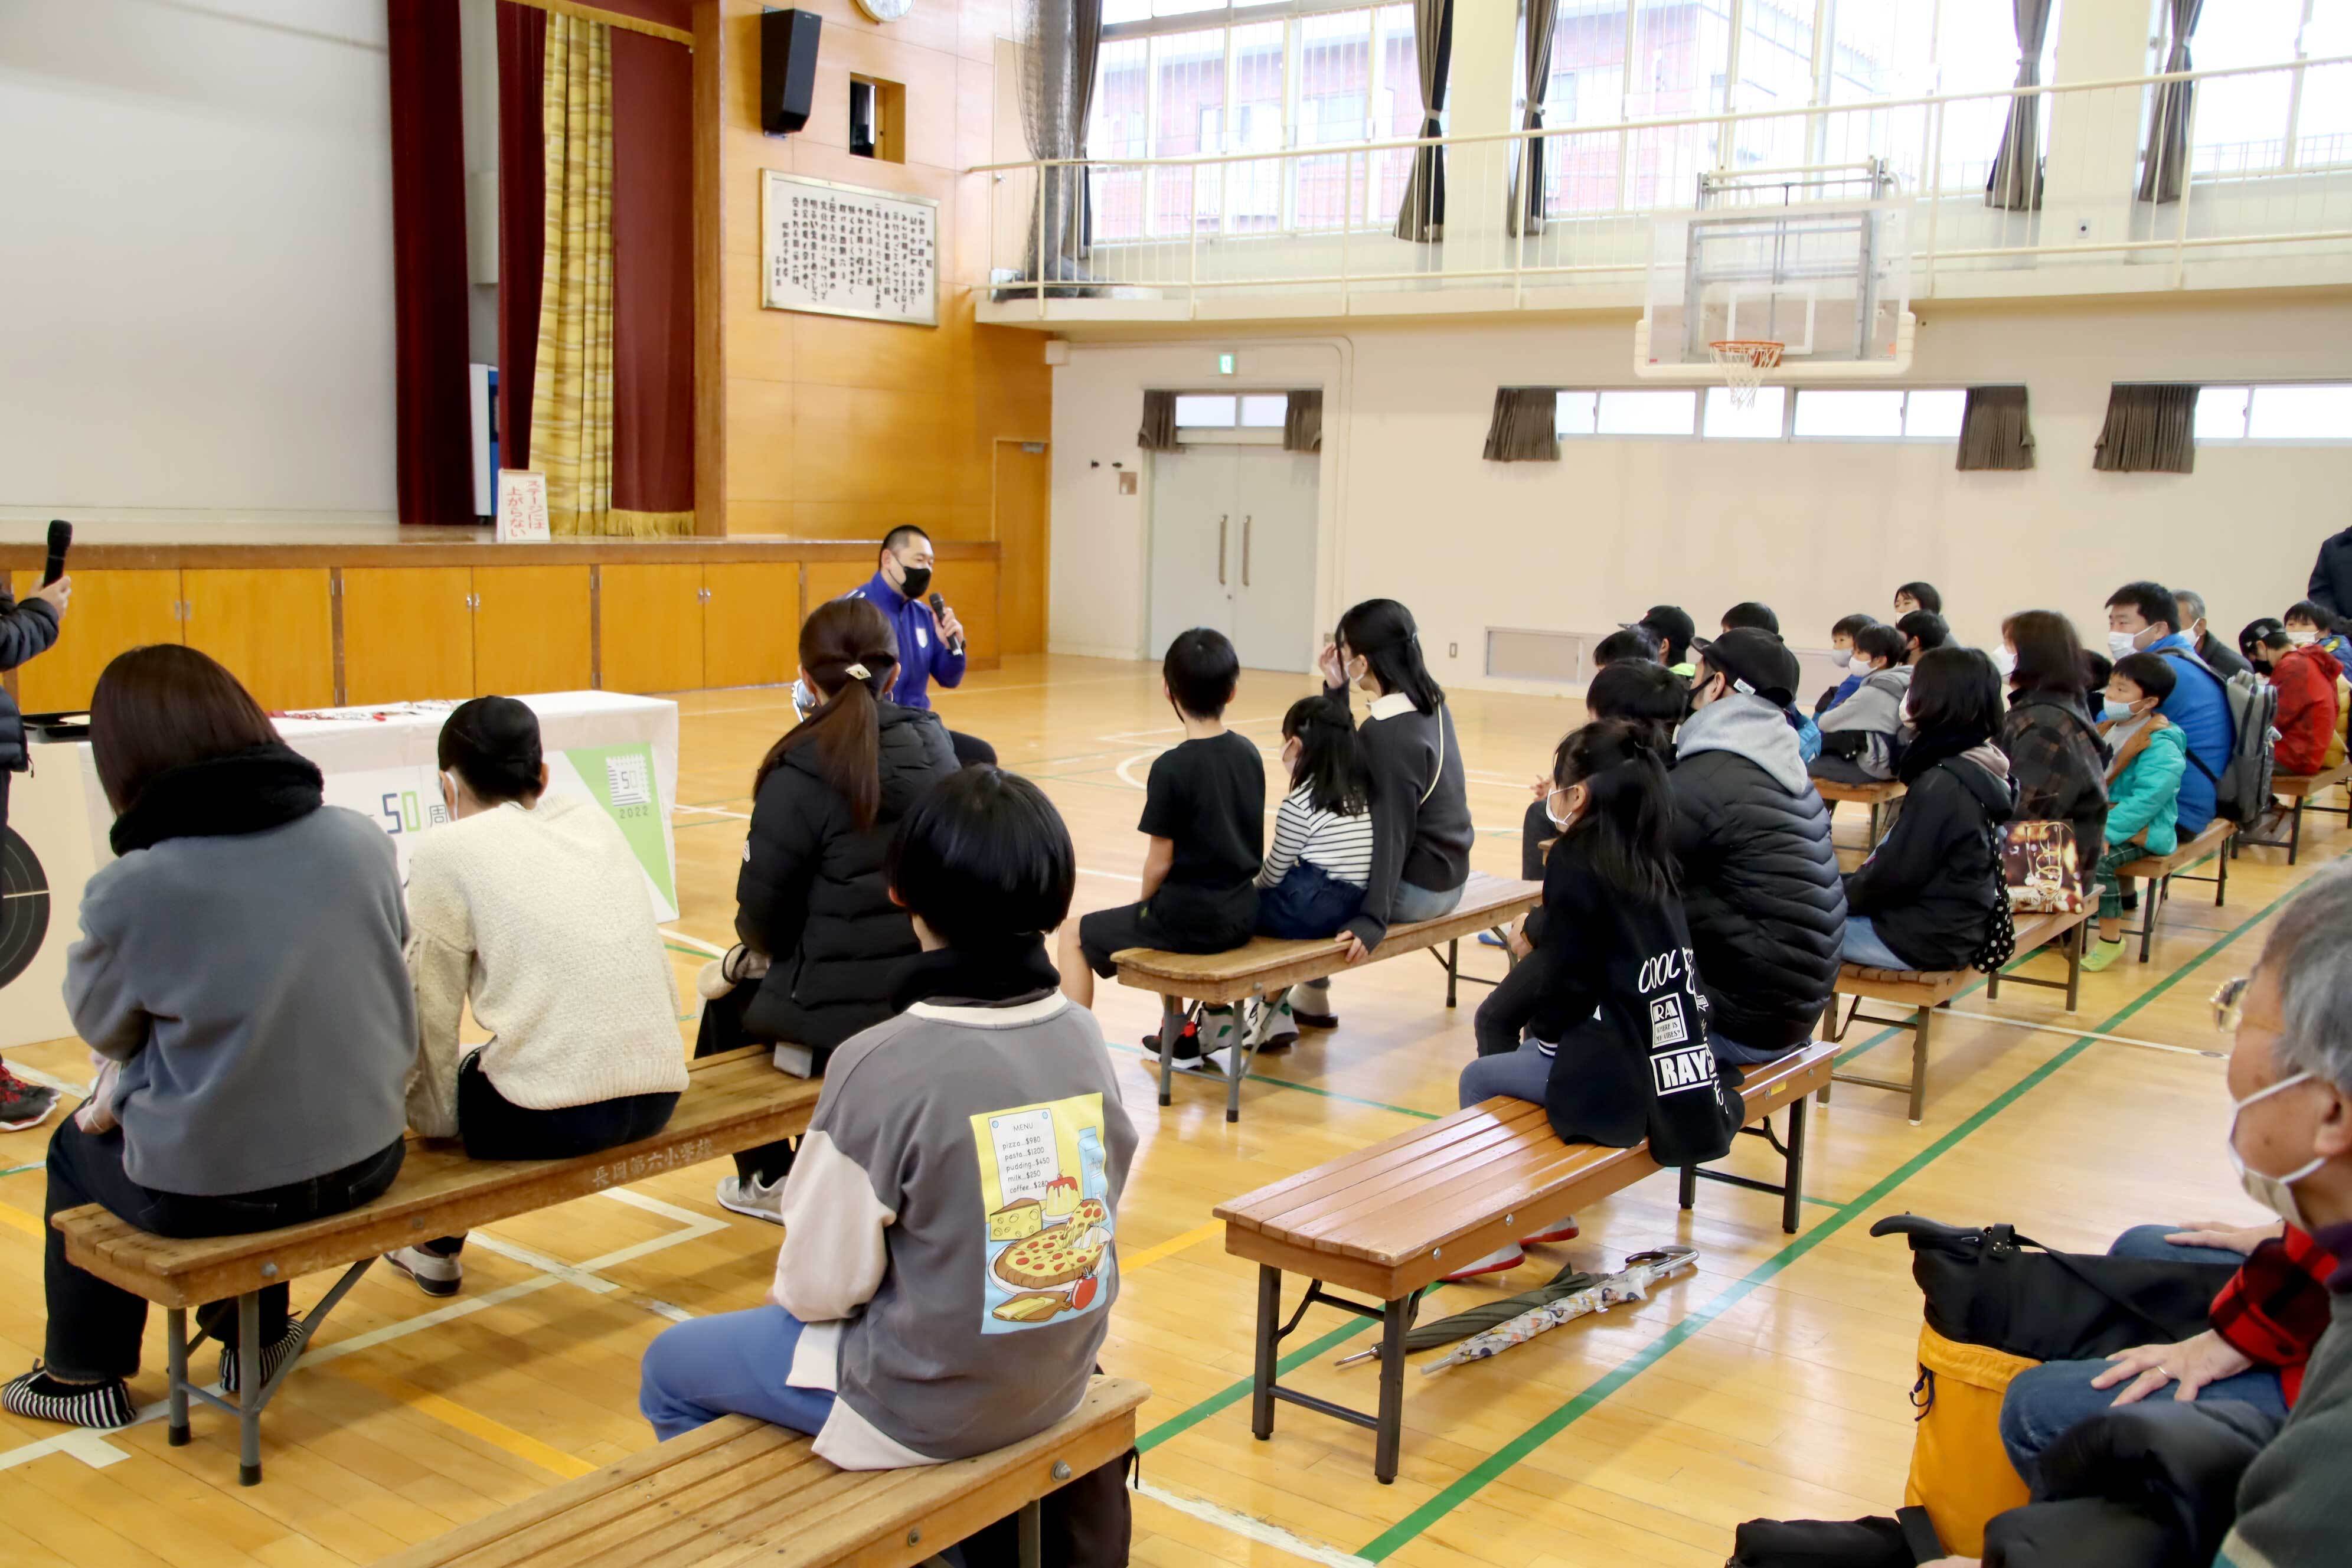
point(11, 1214)
point(1131, 1261)
point(425, 1402)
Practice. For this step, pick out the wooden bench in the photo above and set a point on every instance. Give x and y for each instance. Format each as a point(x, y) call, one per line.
point(1265, 966)
point(2298, 789)
point(1924, 990)
point(736, 1100)
point(1391, 1219)
point(2158, 871)
point(739, 1490)
point(1874, 795)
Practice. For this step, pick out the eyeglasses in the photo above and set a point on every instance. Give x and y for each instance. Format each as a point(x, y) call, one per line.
point(2230, 1004)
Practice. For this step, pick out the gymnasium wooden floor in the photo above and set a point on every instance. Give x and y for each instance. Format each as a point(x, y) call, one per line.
point(1771, 1383)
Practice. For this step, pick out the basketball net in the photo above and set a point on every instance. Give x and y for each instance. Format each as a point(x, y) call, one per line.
point(1744, 362)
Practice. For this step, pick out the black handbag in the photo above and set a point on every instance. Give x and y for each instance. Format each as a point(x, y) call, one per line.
point(1993, 1287)
point(1904, 1541)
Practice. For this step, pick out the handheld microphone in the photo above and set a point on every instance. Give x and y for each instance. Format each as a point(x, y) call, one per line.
point(60, 541)
point(939, 608)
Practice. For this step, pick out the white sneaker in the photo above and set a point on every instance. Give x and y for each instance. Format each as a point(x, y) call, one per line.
point(750, 1196)
point(1499, 1262)
point(435, 1275)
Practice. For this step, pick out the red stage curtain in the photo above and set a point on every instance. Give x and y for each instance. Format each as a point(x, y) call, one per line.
point(522, 220)
point(432, 455)
point(652, 278)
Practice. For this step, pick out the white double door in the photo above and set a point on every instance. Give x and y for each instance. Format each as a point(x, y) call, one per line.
point(1233, 547)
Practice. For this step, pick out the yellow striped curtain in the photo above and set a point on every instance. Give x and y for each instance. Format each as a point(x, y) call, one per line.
point(571, 403)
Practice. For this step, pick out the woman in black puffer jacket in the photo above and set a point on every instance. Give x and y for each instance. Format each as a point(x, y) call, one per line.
point(811, 901)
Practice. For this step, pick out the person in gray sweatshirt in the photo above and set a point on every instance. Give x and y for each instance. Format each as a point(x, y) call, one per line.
point(950, 1256)
point(1863, 737)
point(241, 960)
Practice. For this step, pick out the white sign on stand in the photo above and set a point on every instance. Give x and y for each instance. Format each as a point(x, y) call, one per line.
point(522, 507)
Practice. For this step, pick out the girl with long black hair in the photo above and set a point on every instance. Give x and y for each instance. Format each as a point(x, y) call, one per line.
point(824, 947)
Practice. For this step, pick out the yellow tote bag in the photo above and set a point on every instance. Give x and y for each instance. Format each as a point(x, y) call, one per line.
point(1959, 1472)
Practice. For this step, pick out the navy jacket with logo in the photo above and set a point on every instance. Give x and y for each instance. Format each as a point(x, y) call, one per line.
point(923, 654)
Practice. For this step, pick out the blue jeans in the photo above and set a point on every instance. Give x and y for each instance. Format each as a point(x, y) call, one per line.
point(1523, 1074)
point(1307, 904)
point(1863, 946)
point(2043, 1401)
point(730, 1364)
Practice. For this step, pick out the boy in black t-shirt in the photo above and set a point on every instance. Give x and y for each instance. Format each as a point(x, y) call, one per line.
point(1205, 812)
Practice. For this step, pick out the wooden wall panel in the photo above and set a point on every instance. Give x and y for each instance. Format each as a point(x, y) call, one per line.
point(111, 613)
point(832, 579)
point(531, 629)
point(274, 628)
point(1023, 491)
point(973, 593)
point(751, 623)
point(408, 634)
point(652, 628)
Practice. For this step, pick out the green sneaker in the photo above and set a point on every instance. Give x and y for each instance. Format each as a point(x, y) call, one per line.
point(2102, 954)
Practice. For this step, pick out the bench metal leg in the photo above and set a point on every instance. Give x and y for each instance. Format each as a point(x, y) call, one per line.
point(1453, 969)
point(1919, 1066)
point(1171, 1025)
point(250, 1391)
point(176, 1360)
point(1033, 1534)
point(2222, 882)
point(2074, 940)
point(1389, 1435)
point(2152, 901)
point(1687, 1192)
point(1269, 1336)
point(1793, 1172)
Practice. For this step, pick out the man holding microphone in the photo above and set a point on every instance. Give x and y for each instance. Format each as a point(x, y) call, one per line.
point(931, 638)
point(26, 630)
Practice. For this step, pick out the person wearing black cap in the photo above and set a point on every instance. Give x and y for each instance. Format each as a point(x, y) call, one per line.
point(1674, 628)
point(1922, 898)
point(1760, 877)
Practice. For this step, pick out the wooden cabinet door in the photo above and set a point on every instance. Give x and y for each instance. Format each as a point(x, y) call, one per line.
point(1024, 498)
point(275, 630)
point(832, 579)
point(111, 612)
point(408, 633)
point(649, 627)
point(530, 630)
point(751, 623)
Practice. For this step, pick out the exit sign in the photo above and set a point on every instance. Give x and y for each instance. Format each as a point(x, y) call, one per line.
point(1225, 365)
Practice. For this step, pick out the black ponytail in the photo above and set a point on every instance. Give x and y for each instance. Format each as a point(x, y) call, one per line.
point(1331, 766)
point(1626, 829)
point(492, 744)
point(1382, 631)
point(847, 648)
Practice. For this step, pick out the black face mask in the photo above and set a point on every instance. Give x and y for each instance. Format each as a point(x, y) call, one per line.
point(917, 579)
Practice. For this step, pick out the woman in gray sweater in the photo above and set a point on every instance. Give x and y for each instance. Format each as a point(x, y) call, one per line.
point(241, 960)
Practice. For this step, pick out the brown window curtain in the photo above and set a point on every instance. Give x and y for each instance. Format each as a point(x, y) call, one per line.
point(1421, 216)
point(2163, 163)
point(571, 390)
point(1302, 424)
point(433, 447)
point(1061, 59)
point(1994, 431)
point(2150, 429)
point(653, 287)
point(1526, 429)
point(1527, 211)
point(1159, 432)
point(522, 218)
point(2015, 182)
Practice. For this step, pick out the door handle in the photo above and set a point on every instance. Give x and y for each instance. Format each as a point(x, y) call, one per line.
point(1246, 521)
point(1221, 547)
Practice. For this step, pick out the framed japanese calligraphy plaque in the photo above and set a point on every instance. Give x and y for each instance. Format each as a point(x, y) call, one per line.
point(847, 250)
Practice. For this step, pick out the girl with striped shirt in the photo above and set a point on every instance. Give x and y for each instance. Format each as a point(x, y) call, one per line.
point(1313, 880)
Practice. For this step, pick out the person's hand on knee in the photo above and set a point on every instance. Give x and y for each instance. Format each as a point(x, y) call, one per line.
point(2192, 1364)
point(2226, 1237)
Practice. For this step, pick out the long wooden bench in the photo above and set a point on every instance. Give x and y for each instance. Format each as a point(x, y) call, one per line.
point(1265, 966)
point(1389, 1220)
point(2159, 870)
point(736, 1100)
point(739, 1490)
point(1924, 990)
point(2298, 790)
point(1877, 796)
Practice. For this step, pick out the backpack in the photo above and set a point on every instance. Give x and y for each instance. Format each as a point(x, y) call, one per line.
point(2241, 790)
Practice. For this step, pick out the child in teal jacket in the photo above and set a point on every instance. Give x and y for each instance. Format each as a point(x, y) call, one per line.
point(2143, 786)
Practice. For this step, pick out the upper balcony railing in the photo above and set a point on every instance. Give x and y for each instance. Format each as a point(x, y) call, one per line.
point(1286, 231)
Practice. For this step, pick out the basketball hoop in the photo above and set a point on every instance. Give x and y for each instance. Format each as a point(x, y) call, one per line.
point(1743, 361)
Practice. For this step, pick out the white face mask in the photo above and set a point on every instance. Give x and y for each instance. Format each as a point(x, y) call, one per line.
point(2303, 639)
point(2120, 644)
point(1842, 658)
point(2004, 659)
point(2275, 1193)
point(1557, 820)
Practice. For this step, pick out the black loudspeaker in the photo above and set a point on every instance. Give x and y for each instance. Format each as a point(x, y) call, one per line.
point(787, 68)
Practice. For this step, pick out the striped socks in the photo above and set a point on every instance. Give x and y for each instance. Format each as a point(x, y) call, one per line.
point(37, 1396)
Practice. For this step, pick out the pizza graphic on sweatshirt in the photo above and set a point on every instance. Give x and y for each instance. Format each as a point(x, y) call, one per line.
point(1058, 1254)
point(1046, 1213)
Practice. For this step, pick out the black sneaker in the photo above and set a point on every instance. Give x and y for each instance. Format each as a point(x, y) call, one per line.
point(1187, 1047)
point(273, 1355)
point(37, 1396)
point(22, 1104)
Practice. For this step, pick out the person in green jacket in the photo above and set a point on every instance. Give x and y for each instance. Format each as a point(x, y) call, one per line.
point(2151, 754)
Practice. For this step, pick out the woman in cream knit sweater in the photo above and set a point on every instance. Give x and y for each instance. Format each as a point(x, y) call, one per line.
point(535, 912)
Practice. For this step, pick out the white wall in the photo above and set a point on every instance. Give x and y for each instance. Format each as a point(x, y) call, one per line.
point(1816, 528)
point(195, 259)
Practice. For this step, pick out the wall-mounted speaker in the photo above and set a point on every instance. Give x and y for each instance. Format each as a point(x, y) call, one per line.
point(787, 68)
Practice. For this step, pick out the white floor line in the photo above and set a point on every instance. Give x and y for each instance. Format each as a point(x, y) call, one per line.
point(1107, 876)
point(695, 942)
point(49, 1081)
point(90, 1447)
point(1250, 1529)
point(1179, 729)
point(2087, 1035)
point(711, 811)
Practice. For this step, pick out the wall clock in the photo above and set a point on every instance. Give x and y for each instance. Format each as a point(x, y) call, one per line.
point(885, 10)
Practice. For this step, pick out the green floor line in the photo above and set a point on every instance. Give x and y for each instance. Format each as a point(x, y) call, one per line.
point(1286, 1083)
point(1476, 1479)
point(691, 952)
point(1825, 1203)
point(1888, 1033)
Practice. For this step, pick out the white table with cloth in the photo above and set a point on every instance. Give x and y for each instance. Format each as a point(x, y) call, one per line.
point(620, 751)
